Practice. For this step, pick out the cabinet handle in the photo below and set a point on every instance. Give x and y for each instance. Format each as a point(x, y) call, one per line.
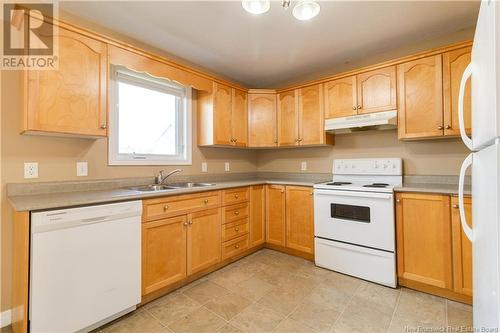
point(236, 213)
point(236, 229)
point(440, 127)
point(236, 246)
point(190, 222)
point(236, 196)
point(447, 127)
point(235, 140)
point(354, 108)
point(104, 126)
point(205, 201)
point(165, 208)
point(300, 140)
point(185, 224)
point(455, 206)
point(359, 107)
point(398, 200)
point(282, 191)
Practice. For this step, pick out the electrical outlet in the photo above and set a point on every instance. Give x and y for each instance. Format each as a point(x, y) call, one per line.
point(226, 166)
point(82, 169)
point(31, 170)
point(303, 166)
point(204, 167)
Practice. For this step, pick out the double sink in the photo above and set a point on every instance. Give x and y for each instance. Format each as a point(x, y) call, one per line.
point(169, 187)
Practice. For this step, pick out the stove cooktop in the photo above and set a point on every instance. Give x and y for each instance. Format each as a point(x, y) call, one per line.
point(357, 186)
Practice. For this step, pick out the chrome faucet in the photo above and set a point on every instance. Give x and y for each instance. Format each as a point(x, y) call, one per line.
point(160, 178)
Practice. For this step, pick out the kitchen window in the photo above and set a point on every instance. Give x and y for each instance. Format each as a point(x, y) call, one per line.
point(150, 120)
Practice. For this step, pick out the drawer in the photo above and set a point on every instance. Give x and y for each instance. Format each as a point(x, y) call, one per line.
point(234, 229)
point(235, 195)
point(234, 247)
point(235, 212)
point(154, 209)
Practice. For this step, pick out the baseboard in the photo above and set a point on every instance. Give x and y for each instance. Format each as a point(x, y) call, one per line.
point(5, 318)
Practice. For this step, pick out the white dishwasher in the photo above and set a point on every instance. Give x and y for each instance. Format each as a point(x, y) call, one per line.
point(85, 266)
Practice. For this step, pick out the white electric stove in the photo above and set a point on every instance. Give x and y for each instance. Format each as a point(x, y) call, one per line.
point(354, 222)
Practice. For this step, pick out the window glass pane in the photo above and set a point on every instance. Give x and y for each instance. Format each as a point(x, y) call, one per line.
point(146, 121)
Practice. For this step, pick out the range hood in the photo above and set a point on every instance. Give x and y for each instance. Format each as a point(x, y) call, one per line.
point(363, 122)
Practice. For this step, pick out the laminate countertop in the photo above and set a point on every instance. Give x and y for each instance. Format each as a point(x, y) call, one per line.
point(451, 189)
point(57, 200)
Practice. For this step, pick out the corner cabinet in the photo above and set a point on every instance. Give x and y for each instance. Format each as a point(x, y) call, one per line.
point(222, 116)
point(257, 215)
point(72, 99)
point(433, 254)
point(368, 92)
point(262, 119)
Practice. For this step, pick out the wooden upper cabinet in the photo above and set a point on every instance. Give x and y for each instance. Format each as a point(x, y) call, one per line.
point(163, 253)
point(239, 118)
point(222, 116)
point(262, 119)
point(257, 215)
point(340, 97)
point(311, 117)
point(420, 90)
point(300, 218)
point(288, 118)
point(462, 249)
point(203, 239)
point(275, 214)
point(377, 90)
point(423, 231)
point(454, 64)
point(72, 99)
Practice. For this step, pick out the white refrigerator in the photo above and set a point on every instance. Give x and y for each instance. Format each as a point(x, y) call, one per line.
point(484, 71)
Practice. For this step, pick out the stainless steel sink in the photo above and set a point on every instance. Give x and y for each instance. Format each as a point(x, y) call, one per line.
point(189, 185)
point(153, 188)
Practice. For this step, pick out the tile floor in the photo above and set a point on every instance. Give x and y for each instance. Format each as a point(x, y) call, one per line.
point(273, 292)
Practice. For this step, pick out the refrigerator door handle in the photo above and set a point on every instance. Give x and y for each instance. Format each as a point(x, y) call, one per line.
point(466, 75)
point(465, 165)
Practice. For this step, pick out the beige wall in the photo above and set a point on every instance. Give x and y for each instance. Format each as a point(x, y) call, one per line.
point(57, 157)
point(436, 157)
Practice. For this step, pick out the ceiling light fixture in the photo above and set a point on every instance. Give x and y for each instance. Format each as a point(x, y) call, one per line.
point(306, 10)
point(256, 6)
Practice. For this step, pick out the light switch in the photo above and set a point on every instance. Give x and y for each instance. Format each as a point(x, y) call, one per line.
point(82, 169)
point(204, 167)
point(303, 166)
point(226, 166)
point(31, 170)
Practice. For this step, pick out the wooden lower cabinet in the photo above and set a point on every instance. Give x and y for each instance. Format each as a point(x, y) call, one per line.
point(433, 254)
point(275, 215)
point(257, 226)
point(163, 252)
point(203, 240)
point(300, 219)
point(462, 249)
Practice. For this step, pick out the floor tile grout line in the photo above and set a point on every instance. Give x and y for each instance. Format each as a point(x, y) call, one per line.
point(346, 305)
point(395, 309)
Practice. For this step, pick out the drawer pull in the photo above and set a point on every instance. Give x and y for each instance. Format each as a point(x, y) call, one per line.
point(165, 208)
point(185, 224)
point(455, 206)
point(236, 229)
point(236, 196)
point(190, 222)
point(236, 213)
point(237, 246)
point(205, 201)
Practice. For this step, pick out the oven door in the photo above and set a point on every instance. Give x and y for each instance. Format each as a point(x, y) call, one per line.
point(359, 218)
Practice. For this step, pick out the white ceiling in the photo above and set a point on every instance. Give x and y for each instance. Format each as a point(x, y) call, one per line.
point(274, 48)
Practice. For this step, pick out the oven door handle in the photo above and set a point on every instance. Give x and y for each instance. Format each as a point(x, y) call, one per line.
point(353, 194)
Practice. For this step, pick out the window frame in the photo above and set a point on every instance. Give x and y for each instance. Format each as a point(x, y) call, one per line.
point(184, 137)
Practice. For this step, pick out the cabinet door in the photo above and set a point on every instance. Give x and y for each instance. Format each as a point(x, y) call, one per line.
point(288, 118)
point(420, 91)
point(163, 253)
point(423, 230)
point(239, 118)
point(71, 99)
point(311, 121)
point(222, 114)
point(257, 215)
point(454, 64)
point(299, 219)
point(275, 214)
point(462, 249)
point(340, 97)
point(377, 90)
point(204, 240)
point(262, 120)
